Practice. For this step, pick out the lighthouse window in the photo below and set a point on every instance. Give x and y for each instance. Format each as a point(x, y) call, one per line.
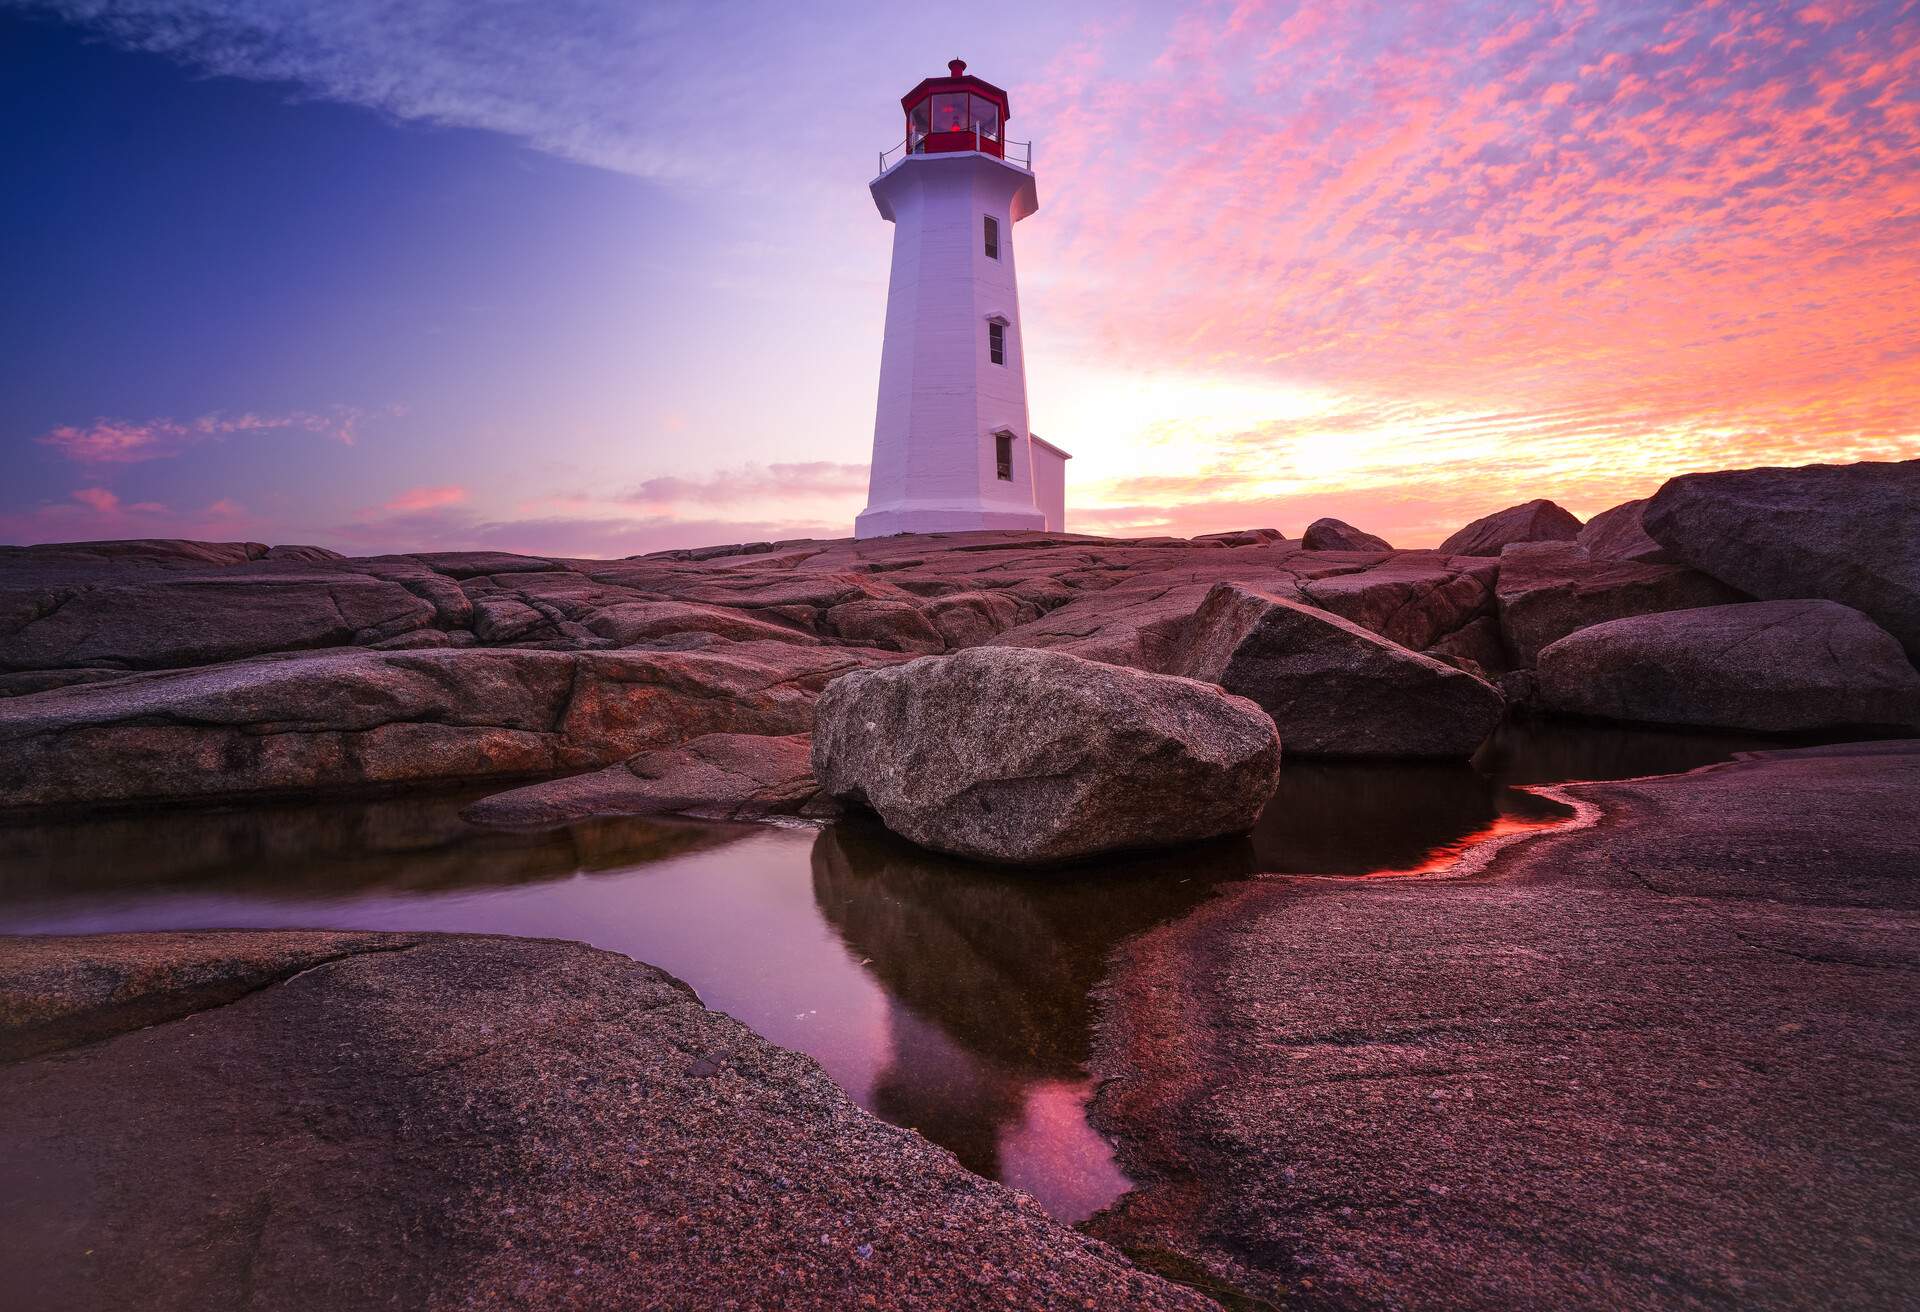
point(993, 237)
point(997, 342)
point(1003, 455)
point(986, 117)
point(950, 112)
point(919, 123)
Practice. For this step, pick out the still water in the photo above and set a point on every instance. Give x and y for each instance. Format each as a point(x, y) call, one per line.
point(940, 995)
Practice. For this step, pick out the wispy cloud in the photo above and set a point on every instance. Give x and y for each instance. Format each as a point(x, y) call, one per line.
point(752, 484)
point(123, 441)
point(627, 87)
point(427, 498)
point(1398, 260)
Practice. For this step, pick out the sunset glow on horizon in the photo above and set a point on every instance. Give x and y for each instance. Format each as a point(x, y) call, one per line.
point(594, 280)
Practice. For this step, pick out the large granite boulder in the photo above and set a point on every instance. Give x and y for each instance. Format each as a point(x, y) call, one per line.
point(1332, 687)
point(1028, 757)
point(1338, 535)
point(1621, 534)
point(1547, 590)
point(1771, 666)
point(333, 1121)
point(1848, 533)
point(354, 720)
point(725, 776)
point(1533, 521)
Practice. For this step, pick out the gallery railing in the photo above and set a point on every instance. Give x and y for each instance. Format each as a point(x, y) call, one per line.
point(1014, 152)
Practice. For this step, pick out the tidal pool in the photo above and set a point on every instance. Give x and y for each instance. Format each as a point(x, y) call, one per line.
point(941, 995)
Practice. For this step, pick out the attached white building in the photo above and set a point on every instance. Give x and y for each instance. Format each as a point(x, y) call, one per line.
point(951, 447)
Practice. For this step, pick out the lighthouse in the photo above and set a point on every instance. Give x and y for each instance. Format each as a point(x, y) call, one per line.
point(952, 450)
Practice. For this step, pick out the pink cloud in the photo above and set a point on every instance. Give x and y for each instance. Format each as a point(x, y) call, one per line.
point(1691, 220)
point(122, 441)
point(427, 498)
point(99, 498)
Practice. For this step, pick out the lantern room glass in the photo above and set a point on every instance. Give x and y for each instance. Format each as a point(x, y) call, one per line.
point(955, 121)
point(984, 117)
point(950, 112)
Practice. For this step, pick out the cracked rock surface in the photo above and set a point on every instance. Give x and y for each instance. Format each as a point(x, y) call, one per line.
point(137, 672)
point(1663, 1059)
point(428, 1121)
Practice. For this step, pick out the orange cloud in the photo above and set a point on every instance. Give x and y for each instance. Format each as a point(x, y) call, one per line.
point(1574, 253)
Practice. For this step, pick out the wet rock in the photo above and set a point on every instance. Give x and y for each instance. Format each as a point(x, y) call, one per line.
point(1770, 666)
point(357, 720)
point(726, 776)
point(1614, 1069)
point(1332, 687)
point(1547, 590)
point(1534, 521)
point(1848, 533)
point(1620, 534)
point(453, 1121)
point(1337, 535)
point(1028, 757)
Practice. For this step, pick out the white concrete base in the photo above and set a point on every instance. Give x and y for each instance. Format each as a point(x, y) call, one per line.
point(881, 521)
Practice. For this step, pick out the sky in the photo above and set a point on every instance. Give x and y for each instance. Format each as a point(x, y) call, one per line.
point(597, 277)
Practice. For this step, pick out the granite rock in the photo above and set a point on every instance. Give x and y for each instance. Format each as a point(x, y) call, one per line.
point(1332, 687)
point(1770, 666)
point(1547, 590)
point(1847, 533)
point(431, 1121)
point(1539, 520)
point(726, 776)
point(1338, 535)
point(1030, 757)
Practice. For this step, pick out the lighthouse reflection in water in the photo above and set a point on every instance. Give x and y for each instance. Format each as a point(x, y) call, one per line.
point(949, 997)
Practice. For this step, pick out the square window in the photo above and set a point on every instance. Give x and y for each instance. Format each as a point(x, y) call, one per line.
point(997, 342)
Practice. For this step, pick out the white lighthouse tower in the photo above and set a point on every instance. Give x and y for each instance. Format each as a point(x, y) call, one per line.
point(951, 447)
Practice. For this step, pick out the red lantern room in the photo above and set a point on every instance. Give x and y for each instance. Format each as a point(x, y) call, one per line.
point(956, 112)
